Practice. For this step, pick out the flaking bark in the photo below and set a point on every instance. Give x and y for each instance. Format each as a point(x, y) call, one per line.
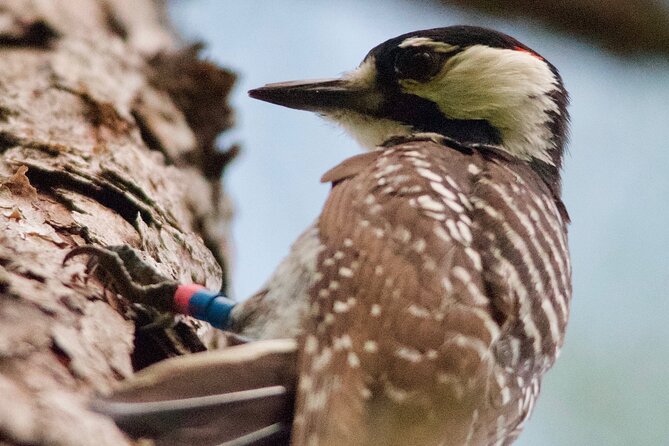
point(107, 135)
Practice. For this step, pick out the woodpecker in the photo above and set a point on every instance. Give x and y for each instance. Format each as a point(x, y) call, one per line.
point(431, 295)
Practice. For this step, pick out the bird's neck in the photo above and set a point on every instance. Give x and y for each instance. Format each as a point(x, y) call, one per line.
point(537, 139)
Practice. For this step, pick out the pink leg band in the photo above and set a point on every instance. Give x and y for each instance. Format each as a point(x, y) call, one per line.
point(182, 296)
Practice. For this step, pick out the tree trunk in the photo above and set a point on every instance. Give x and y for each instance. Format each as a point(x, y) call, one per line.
point(106, 137)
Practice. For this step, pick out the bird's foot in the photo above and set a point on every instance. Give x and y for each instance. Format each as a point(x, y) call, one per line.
point(149, 319)
point(141, 284)
point(129, 275)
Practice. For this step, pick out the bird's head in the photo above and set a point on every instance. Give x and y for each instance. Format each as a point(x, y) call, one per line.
point(473, 85)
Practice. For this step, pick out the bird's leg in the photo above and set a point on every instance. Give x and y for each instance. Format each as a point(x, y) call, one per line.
point(128, 275)
point(152, 318)
point(141, 284)
point(140, 271)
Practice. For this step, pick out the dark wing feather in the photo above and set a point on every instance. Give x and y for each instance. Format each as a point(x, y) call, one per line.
point(237, 396)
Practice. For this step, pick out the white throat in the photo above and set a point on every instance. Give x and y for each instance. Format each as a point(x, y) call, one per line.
point(370, 132)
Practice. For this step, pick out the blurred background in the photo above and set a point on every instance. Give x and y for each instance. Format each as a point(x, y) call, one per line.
point(611, 383)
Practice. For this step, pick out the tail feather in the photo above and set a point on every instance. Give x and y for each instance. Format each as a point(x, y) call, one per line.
point(240, 395)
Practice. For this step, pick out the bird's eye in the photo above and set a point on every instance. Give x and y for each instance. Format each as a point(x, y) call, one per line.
point(420, 66)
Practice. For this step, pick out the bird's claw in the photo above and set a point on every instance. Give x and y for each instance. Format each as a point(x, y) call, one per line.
point(152, 320)
point(129, 274)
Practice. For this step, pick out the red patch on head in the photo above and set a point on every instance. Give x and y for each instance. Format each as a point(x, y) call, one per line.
point(528, 51)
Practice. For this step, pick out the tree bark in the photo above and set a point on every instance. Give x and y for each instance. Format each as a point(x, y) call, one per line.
point(107, 134)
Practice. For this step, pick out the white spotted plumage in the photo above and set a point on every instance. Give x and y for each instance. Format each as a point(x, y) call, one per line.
point(438, 272)
point(462, 231)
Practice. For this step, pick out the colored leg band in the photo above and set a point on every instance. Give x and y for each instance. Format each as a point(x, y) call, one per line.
point(208, 306)
point(182, 297)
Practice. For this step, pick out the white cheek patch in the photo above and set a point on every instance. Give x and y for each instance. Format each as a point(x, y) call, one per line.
point(507, 88)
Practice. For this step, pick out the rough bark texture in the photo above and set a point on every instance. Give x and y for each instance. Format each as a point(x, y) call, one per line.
point(620, 26)
point(106, 137)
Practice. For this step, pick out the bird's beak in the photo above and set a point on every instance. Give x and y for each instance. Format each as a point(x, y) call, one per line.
point(321, 96)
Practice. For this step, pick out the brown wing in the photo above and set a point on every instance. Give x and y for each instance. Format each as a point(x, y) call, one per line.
point(411, 305)
point(391, 318)
point(349, 167)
